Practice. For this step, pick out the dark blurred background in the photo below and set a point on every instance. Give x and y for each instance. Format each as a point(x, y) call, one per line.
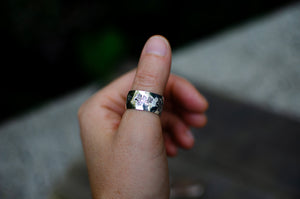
point(51, 48)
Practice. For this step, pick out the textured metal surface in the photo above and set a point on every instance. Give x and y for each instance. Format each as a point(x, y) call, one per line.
point(145, 101)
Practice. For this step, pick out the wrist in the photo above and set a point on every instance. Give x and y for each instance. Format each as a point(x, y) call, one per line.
point(131, 194)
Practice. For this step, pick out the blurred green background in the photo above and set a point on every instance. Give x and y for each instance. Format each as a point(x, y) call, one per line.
point(51, 48)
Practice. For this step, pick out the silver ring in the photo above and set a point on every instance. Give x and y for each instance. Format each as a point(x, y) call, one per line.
point(145, 101)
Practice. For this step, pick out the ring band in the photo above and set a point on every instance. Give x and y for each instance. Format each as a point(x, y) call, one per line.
point(145, 101)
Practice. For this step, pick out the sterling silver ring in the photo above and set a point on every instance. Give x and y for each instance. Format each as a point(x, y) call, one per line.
point(145, 101)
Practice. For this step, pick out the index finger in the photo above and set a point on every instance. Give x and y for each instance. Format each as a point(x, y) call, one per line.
point(184, 95)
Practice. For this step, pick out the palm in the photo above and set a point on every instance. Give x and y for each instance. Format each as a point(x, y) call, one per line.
point(125, 150)
point(183, 107)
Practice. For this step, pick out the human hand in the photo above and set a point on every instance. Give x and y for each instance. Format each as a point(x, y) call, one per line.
point(125, 150)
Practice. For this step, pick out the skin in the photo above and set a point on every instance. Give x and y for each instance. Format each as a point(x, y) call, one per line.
point(126, 150)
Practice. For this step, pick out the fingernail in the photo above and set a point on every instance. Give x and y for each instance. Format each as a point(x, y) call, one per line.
point(156, 45)
point(189, 134)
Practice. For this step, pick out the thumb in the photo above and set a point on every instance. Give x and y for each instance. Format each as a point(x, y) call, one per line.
point(139, 143)
point(141, 128)
point(151, 75)
point(154, 66)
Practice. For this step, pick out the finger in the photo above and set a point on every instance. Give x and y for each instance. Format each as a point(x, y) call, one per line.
point(103, 111)
point(139, 142)
point(143, 128)
point(178, 129)
point(171, 147)
point(194, 119)
point(113, 96)
point(154, 66)
point(184, 95)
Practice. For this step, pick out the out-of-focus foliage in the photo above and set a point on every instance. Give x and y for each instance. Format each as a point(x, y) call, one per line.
point(51, 47)
point(101, 52)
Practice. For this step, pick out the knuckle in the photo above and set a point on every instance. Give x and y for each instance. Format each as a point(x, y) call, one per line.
point(146, 79)
point(82, 110)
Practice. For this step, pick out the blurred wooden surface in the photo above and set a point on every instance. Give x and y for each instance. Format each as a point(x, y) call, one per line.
point(243, 152)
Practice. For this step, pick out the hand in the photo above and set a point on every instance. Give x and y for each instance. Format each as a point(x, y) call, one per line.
point(126, 150)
